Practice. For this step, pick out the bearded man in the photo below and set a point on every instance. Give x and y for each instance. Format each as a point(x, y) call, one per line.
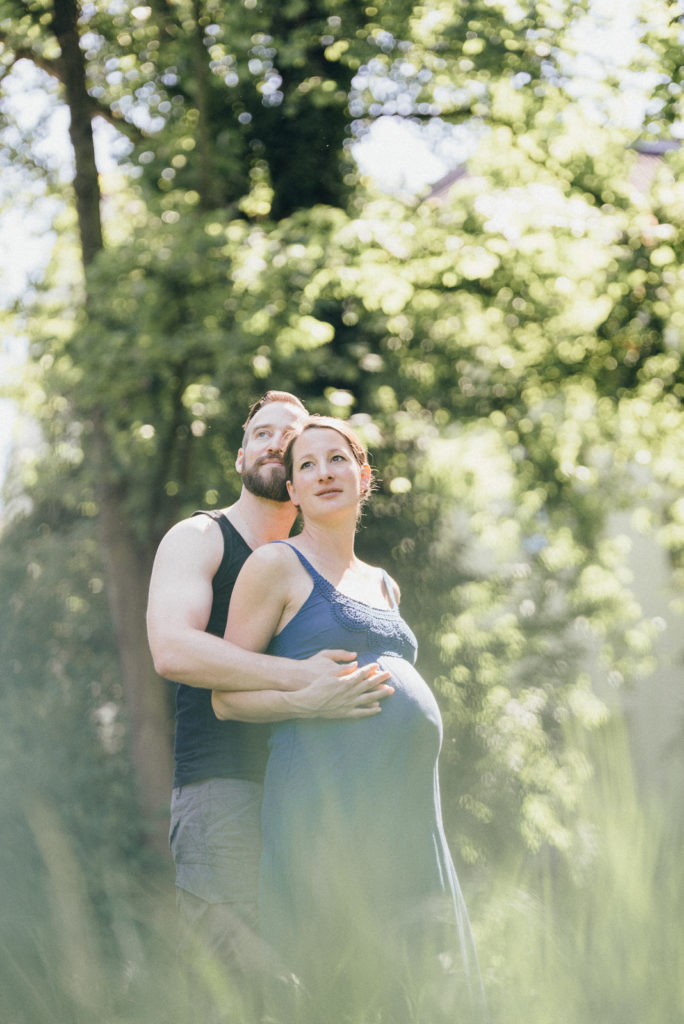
point(219, 765)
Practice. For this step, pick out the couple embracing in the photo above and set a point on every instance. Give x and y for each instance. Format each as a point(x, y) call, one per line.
point(311, 861)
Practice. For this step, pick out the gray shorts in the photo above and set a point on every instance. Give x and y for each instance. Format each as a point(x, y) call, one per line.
point(215, 839)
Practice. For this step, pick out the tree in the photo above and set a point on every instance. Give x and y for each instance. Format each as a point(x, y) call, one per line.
point(242, 251)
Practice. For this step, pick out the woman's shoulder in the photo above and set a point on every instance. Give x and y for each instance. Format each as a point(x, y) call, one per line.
point(272, 555)
point(381, 577)
point(269, 573)
point(277, 559)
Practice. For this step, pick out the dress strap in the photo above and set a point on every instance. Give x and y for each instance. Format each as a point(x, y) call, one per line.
point(330, 588)
point(389, 587)
point(305, 562)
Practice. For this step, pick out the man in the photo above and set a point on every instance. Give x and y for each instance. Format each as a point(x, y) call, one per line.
point(215, 811)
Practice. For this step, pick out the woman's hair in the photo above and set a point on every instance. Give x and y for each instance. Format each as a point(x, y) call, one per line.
point(356, 446)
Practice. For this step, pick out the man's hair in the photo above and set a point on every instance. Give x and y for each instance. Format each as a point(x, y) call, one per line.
point(266, 399)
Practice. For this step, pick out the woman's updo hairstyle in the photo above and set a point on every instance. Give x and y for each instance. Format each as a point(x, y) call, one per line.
point(356, 446)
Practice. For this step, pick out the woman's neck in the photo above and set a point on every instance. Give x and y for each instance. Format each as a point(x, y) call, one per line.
point(330, 547)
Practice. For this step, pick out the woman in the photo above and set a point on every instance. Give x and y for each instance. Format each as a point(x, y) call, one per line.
point(358, 896)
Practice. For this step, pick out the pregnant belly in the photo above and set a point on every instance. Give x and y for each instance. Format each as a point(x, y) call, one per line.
point(341, 794)
point(338, 754)
point(413, 704)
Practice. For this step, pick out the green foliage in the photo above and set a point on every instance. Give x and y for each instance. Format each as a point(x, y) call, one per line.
point(596, 939)
point(64, 730)
point(224, 90)
point(661, 47)
point(511, 352)
point(69, 795)
point(479, 344)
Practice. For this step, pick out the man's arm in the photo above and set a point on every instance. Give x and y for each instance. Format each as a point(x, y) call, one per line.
point(178, 608)
point(355, 694)
point(179, 604)
point(261, 596)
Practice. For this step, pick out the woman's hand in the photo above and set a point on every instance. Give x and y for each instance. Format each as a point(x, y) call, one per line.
point(340, 691)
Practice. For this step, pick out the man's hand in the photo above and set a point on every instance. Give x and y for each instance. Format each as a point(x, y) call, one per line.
point(326, 664)
point(339, 688)
point(327, 685)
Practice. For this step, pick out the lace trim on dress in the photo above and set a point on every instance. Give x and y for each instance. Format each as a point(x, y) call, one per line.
point(385, 630)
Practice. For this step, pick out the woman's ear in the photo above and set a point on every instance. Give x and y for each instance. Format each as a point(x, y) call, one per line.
point(365, 478)
point(291, 491)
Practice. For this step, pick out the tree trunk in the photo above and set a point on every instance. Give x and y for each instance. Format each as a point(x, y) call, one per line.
point(126, 570)
point(206, 178)
point(86, 182)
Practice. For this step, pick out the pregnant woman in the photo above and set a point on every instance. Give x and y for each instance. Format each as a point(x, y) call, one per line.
point(359, 902)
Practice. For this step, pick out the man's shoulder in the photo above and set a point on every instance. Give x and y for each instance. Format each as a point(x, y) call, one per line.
point(193, 535)
point(200, 524)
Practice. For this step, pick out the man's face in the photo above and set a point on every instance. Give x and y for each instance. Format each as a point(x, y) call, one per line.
point(260, 460)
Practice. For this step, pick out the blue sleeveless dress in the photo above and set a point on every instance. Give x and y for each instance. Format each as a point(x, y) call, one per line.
point(359, 901)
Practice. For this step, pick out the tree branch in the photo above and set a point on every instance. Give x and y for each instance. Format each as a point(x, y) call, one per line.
point(55, 68)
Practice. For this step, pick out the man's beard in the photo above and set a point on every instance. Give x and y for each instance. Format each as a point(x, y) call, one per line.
point(270, 485)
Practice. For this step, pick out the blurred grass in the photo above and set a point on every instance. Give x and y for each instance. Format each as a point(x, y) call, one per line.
point(597, 942)
point(602, 941)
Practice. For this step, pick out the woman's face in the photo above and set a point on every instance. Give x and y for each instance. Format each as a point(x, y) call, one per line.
point(326, 477)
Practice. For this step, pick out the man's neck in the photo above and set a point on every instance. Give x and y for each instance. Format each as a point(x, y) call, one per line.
point(259, 520)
